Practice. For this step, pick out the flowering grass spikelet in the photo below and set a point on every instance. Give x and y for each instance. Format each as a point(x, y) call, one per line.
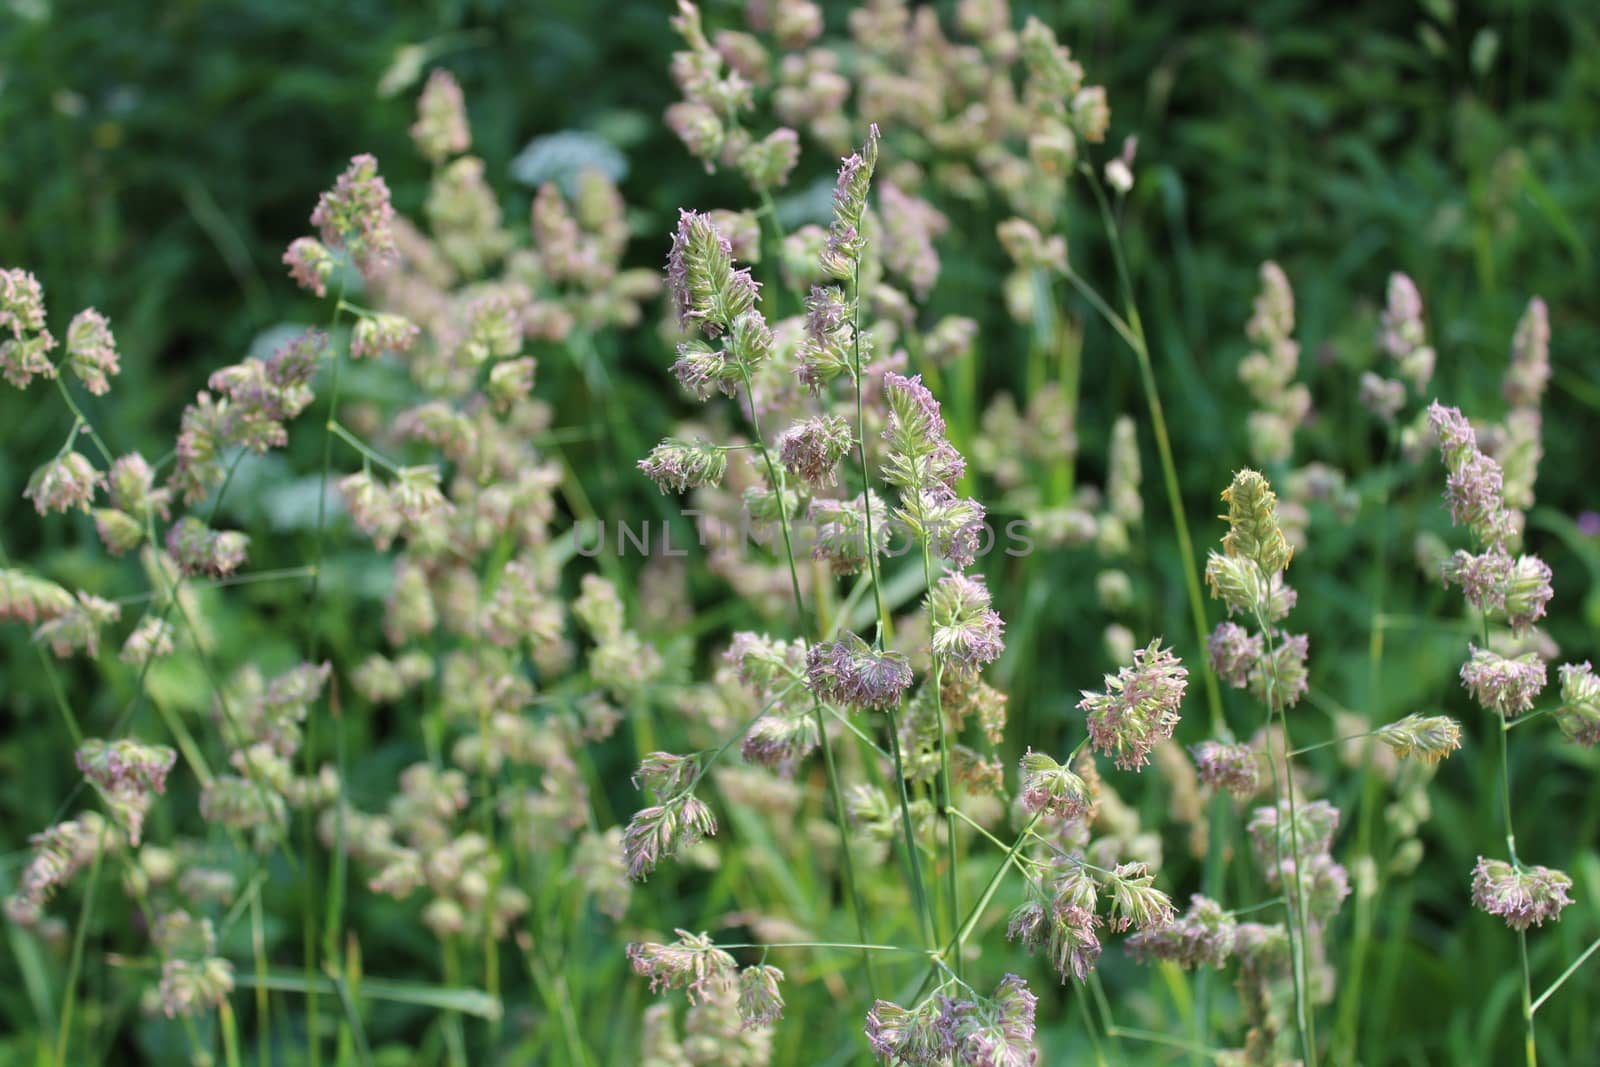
point(1233, 652)
point(850, 672)
point(1579, 713)
point(356, 215)
point(1522, 896)
point(1429, 738)
point(966, 631)
point(706, 289)
point(198, 549)
point(92, 351)
point(66, 482)
point(1139, 707)
point(760, 999)
point(1050, 788)
point(842, 254)
point(441, 129)
point(812, 449)
point(678, 466)
point(692, 963)
point(1202, 936)
point(1233, 767)
point(1506, 686)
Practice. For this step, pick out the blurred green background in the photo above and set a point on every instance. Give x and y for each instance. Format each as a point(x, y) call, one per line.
point(155, 159)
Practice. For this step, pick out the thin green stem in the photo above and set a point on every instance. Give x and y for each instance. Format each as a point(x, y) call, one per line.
point(308, 915)
point(828, 944)
point(1334, 741)
point(80, 936)
point(1568, 973)
point(82, 420)
point(367, 452)
point(948, 795)
point(913, 858)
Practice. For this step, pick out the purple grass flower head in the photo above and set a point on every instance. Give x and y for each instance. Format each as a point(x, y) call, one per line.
point(692, 963)
point(828, 348)
point(840, 531)
point(665, 774)
point(664, 830)
point(1029, 924)
point(1233, 652)
point(854, 674)
point(1053, 74)
point(919, 1037)
point(1233, 767)
point(1522, 896)
point(842, 255)
point(707, 291)
point(188, 986)
point(92, 351)
point(1579, 713)
point(916, 424)
point(1271, 835)
point(767, 163)
point(1139, 708)
point(999, 1032)
point(1073, 945)
point(966, 631)
point(951, 339)
point(996, 1031)
point(678, 466)
point(59, 853)
point(1383, 397)
point(382, 332)
point(812, 449)
point(417, 495)
point(27, 598)
point(66, 482)
point(1027, 247)
point(22, 308)
point(26, 353)
point(1429, 738)
point(1475, 486)
point(1483, 578)
point(780, 739)
point(911, 225)
point(441, 129)
point(760, 999)
point(1049, 788)
point(1135, 902)
point(357, 216)
point(1202, 936)
point(1527, 592)
point(198, 549)
point(78, 627)
point(1279, 677)
point(371, 506)
point(702, 370)
point(153, 637)
point(1403, 334)
point(1501, 685)
point(128, 775)
point(310, 264)
point(1530, 357)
